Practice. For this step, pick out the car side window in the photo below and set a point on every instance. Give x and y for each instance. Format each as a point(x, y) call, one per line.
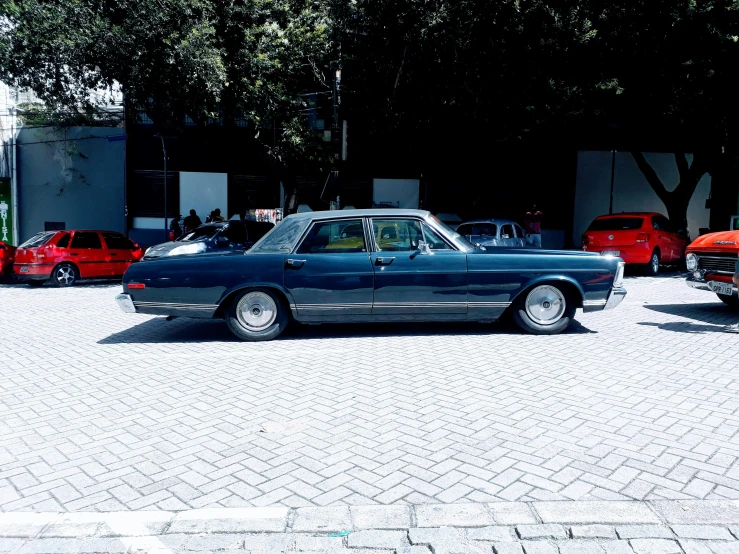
point(64, 241)
point(114, 241)
point(506, 232)
point(397, 235)
point(434, 241)
point(334, 237)
point(657, 224)
point(519, 232)
point(83, 239)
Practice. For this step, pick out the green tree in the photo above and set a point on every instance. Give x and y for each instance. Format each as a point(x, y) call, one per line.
point(177, 58)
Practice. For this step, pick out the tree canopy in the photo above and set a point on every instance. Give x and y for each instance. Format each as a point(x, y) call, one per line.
point(415, 70)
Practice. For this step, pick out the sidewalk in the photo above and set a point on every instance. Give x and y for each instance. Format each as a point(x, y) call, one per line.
point(658, 527)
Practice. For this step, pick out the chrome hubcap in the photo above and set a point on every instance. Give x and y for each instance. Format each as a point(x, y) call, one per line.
point(655, 262)
point(545, 305)
point(256, 311)
point(65, 275)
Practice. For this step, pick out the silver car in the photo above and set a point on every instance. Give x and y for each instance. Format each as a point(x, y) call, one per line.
point(493, 232)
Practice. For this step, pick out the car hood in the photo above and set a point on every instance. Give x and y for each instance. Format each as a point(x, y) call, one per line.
point(728, 241)
point(162, 249)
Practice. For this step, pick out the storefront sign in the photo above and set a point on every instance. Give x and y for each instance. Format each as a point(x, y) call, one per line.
point(6, 213)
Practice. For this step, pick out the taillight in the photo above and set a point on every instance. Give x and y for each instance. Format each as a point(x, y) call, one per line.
point(642, 237)
point(136, 286)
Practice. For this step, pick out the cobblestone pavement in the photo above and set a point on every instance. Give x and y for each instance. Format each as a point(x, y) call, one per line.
point(106, 411)
point(660, 527)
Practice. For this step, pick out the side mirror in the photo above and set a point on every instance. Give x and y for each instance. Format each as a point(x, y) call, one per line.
point(223, 241)
point(423, 248)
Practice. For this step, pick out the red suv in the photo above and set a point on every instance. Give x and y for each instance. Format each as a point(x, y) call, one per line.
point(645, 238)
point(7, 255)
point(67, 256)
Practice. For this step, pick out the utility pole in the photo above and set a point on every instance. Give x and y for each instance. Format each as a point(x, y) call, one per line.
point(164, 149)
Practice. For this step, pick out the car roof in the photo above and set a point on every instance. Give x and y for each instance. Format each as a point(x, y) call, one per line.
point(622, 214)
point(497, 221)
point(377, 212)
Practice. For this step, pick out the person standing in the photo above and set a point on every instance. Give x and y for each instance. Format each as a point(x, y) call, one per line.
point(175, 228)
point(192, 221)
point(532, 224)
point(217, 215)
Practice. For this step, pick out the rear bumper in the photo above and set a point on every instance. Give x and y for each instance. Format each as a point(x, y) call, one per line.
point(629, 254)
point(32, 272)
point(694, 283)
point(125, 303)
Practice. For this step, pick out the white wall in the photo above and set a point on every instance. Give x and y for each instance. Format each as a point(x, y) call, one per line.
point(203, 192)
point(402, 191)
point(631, 191)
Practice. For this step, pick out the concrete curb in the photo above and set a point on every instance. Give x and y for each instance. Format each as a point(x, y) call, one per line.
point(337, 519)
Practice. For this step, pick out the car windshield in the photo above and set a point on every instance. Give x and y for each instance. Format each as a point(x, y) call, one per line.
point(617, 224)
point(38, 240)
point(201, 233)
point(282, 238)
point(458, 239)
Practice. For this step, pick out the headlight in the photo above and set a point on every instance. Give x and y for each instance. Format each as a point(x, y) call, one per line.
point(194, 248)
point(691, 262)
point(618, 280)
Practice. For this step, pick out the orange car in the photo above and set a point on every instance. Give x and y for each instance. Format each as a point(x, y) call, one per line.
point(64, 257)
point(644, 238)
point(712, 261)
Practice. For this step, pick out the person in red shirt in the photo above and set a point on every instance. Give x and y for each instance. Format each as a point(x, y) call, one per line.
point(532, 224)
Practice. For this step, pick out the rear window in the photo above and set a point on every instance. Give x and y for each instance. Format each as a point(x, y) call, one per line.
point(38, 240)
point(617, 224)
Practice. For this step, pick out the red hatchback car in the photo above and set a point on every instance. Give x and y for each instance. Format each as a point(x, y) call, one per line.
point(7, 256)
point(67, 256)
point(644, 238)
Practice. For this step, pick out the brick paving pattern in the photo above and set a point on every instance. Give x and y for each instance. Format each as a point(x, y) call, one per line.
point(472, 528)
point(105, 411)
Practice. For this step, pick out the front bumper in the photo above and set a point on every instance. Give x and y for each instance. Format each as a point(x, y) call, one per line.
point(615, 297)
point(694, 283)
point(125, 303)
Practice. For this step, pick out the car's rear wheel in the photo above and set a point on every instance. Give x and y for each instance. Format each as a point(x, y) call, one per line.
point(731, 301)
point(544, 310)
point(64, 275)
point(652, 268)
point(257, 314)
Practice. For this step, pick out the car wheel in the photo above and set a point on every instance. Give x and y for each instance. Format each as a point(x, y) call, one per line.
point(731, 301)
point(544, 310)
point(652, 268)
point(257, 314)
point(64, 275)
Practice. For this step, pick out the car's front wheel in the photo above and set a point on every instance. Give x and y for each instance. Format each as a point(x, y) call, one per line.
point(544, 310)
point(257, 314)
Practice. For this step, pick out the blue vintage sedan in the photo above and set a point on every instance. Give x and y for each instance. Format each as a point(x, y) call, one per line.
point(373, 265)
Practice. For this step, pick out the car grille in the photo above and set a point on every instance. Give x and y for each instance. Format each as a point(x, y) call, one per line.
point(718, 264)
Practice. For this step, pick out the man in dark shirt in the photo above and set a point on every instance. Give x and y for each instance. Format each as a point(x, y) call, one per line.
point(192, 221)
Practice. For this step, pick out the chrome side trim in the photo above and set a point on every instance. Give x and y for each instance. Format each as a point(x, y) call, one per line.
point(175, 305)
point(594, 302)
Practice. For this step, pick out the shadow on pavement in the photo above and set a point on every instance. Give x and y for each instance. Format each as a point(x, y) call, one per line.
point(184, 330)
point(714, 316)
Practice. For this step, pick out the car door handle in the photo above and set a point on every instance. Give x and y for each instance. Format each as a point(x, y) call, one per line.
point(294, 264)
point(384, 261)
point(73, 254)
point(112, 254)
